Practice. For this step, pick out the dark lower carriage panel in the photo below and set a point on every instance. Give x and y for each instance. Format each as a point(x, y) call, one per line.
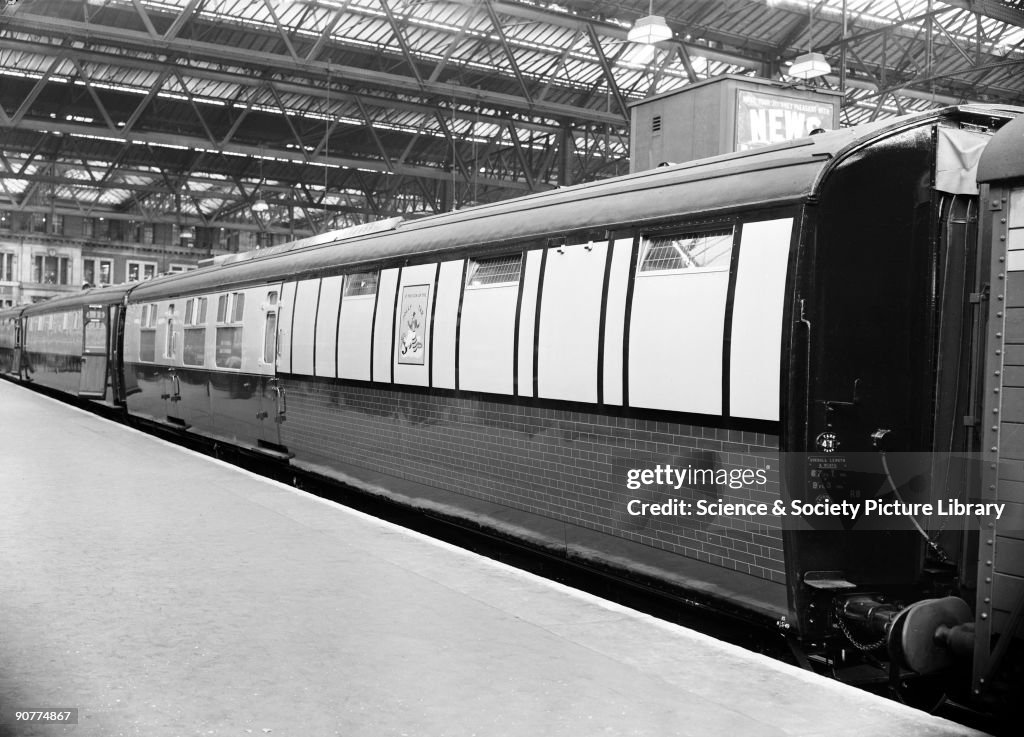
point(56, 371)
point(230, 406)
point(555, 477)
point(7, 362)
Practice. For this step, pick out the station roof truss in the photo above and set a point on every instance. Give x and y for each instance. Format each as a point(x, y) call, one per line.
point(339, 112)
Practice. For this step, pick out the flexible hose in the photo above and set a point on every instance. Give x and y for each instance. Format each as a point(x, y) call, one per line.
point(942, 555)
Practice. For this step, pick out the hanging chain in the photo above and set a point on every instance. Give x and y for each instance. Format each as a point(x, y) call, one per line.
point(853, 640)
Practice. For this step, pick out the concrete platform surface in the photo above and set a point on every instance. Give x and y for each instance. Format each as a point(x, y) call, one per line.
point(163, 593)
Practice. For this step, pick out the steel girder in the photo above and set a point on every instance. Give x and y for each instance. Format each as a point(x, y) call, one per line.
point(335, 111)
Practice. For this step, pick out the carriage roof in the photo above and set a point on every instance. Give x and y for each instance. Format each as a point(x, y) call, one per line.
point(766, 177)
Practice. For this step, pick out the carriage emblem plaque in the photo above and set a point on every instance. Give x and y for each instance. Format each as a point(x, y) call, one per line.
point(412, 323)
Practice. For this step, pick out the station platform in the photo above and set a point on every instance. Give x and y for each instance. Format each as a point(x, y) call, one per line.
point(161, 592)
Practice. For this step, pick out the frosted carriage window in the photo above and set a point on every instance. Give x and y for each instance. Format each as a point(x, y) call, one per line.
point(170, 337)
point(491, 272)
point(708, 251)
point(270, 329)
point(361, 285)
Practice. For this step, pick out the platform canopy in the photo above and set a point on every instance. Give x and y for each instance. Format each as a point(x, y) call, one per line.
point(336, 112)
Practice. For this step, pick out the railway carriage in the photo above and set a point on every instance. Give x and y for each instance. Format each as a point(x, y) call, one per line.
point(526, 355)
point(520, 365)
point(10, 340)
point(72, 345)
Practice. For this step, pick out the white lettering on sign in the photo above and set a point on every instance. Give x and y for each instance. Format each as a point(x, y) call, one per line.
point(762, 119)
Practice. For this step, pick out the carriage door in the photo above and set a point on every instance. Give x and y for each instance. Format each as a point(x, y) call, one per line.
point(18, 328)
point(273, 400)
point(117, 393)
point(93, 384)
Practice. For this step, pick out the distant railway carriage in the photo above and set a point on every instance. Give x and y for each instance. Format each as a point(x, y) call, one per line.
point(70, 345)
point(848, 294)
point(10, 337)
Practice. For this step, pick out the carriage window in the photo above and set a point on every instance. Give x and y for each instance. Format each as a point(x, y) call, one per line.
point(95, 327)
point(229, 337)
point(239, 307)
point(230, 307)
point(270, 330)
point(148, 316)
point(147, 346)
point(195, 312)
point(194, 351)
point(229, 347)
point(361, 285)
point(170, 342)
point(270, 338)
point(147, 334)
point(492, 272)
point(708, 251)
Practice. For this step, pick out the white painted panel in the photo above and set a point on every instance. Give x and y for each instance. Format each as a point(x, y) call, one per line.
point(756, 349)
point(1015, 261)
point(675, 341)
point(446, 316)
point(615, 320)
point(284, 319)
point(412, 327)
point(302, 328)
point(1016, 240)
point(354, 331)
point(1017, 207)
point(327, 325)
point(528, 322)
point(486, 339)
point(387, 288)
point(570, 322)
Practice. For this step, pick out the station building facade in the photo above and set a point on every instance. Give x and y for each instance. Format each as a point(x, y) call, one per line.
point(46, 255)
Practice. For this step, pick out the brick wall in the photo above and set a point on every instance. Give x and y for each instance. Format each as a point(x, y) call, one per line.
point(569, 466)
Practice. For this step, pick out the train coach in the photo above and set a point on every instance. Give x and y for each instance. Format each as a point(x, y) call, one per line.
point(70, 345)
point(724, 335)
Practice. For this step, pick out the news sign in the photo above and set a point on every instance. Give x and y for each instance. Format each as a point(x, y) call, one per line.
point(763, 119)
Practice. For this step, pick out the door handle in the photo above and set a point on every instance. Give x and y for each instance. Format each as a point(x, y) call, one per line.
point(282, 403)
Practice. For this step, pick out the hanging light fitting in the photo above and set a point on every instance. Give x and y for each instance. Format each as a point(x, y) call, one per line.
point(650, 29)
point(810, 65)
